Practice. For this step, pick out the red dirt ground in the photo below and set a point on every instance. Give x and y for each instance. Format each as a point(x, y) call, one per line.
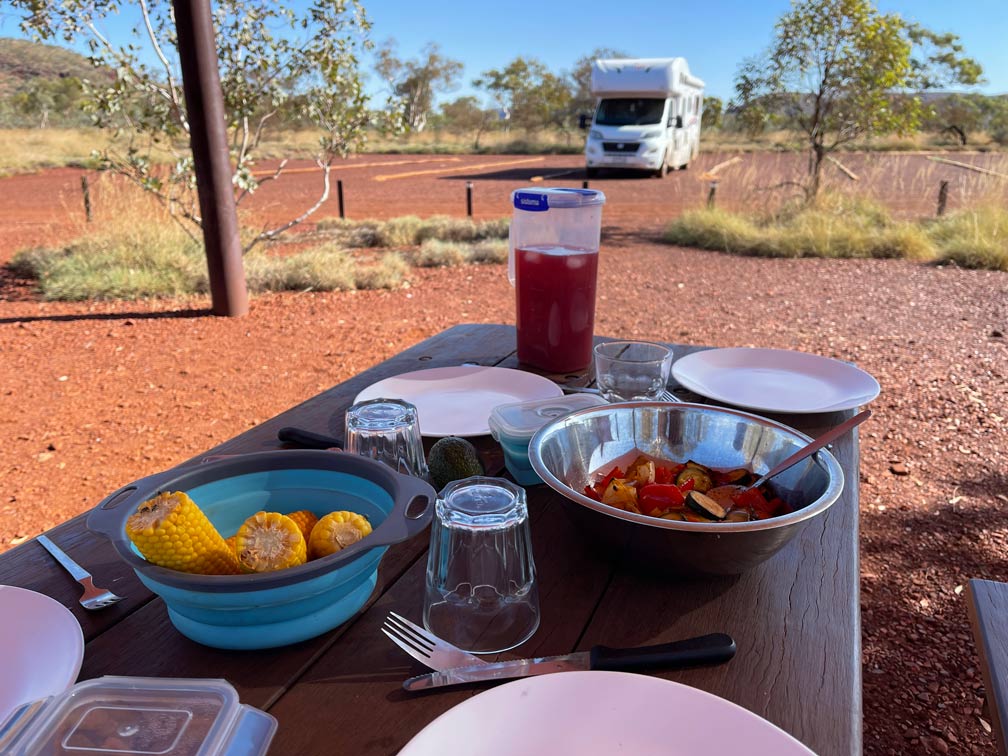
point(93, 396)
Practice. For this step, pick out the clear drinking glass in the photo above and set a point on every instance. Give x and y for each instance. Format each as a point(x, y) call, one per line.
point(387, 430)
point(481, 592)
point(632, 371)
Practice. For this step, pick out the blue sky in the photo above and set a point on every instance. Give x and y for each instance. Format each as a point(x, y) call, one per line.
point(714, 35)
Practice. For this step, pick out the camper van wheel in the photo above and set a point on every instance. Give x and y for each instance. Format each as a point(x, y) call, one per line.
point(664, 170)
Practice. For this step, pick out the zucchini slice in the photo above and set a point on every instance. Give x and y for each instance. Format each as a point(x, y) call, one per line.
point(701, 478)
point(705, 505)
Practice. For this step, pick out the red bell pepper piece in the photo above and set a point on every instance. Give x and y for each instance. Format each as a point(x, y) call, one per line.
point(660, 496)
point(591, 493)
point(754, 500)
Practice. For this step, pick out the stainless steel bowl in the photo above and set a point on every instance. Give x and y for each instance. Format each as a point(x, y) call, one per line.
point(572, 451)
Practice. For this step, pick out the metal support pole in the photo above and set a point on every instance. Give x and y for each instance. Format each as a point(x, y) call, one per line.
point(85, 190)
point(584, 184)
point(208, 136)
point(469, 198)
point(942, 197)
point(339, 196)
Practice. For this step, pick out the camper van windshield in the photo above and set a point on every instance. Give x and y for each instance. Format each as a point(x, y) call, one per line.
point(629, 112)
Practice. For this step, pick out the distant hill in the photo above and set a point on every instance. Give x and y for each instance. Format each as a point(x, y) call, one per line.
point(22, 60)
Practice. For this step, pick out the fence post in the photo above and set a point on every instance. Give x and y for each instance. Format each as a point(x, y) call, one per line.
point(710, 194)
point(87, 196)
point(339, 196)
point(469, 188)
point(942, 197)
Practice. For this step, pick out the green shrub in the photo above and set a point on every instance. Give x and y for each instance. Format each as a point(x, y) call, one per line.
point(409, 230)
point(973, 238)
point(389, 272)
point(325, 268)
point(834, 227)
point(435, 253)
point(142, 260)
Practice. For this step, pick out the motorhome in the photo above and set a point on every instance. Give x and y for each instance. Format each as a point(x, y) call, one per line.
point(647, 115)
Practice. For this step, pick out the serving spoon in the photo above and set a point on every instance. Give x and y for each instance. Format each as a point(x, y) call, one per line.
point(812, 447)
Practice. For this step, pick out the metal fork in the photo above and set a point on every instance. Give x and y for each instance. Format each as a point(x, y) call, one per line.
point(93, 597)
point(426, 647)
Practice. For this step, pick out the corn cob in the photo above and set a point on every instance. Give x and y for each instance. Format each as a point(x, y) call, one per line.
point(336, 531)
point(171, 531)
point(270, 541)
point(305, 520)
point(232, 542)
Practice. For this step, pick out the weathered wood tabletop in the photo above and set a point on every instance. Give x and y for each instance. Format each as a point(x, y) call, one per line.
point(987, 603)
point(795, 618)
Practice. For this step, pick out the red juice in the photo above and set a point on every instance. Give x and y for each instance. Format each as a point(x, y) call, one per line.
point(555, 289)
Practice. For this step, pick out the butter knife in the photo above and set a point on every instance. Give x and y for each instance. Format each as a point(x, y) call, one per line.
point(714, 648)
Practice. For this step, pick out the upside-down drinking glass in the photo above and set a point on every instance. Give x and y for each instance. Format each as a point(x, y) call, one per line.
point(481, 592)
point(387, 430)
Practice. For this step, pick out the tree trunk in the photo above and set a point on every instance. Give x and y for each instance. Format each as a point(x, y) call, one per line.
point(817, 157)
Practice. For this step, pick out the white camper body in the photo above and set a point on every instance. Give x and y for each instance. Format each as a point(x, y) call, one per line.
point(647, 115)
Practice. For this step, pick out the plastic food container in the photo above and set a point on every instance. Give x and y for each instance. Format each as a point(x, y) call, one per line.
point(270, 609)
point(140, 715)
point(513, 426)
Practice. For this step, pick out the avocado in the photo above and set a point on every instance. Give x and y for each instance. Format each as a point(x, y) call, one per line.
point(452, 458)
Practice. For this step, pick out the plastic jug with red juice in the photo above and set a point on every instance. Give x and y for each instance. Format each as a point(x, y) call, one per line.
point(553, 263)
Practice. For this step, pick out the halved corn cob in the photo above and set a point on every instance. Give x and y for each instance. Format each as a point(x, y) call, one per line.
point(171, 531)
point(305, 520)
point(232, 542)
point(270, 541)
point(336, 531)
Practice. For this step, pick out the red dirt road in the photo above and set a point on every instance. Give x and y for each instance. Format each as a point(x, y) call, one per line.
point(42, 207)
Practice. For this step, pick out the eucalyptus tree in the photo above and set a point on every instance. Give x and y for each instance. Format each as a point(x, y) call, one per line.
point(841, 70)
point(273, 59)
point(416, 81)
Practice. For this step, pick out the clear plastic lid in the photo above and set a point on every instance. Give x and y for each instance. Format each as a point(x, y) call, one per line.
point(140, 715)
point(520, 421)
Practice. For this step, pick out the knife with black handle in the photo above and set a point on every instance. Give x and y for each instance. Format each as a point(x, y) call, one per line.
point(306, 439)
point(715, 648)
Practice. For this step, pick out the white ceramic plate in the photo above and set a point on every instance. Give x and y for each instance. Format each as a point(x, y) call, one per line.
point(600, 713)
point(41, 648)
point(775, 380)
point(457, 401)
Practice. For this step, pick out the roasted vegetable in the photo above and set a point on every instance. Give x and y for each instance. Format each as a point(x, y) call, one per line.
point(270, 541)
point(620, 494)
point(171, 531)
point(335, 532)
point(641, 472)
point(704, 505)
point(691, 497)
point(700, 476)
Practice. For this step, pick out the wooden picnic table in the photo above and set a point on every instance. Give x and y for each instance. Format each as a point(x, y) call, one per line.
point(795, 618)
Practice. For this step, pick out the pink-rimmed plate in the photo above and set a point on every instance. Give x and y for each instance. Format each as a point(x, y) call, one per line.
point(600, 713)
point(457, 401)
point(775, 380)
point(41, 648)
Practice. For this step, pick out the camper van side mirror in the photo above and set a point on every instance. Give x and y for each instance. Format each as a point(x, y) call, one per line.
point(678, 121)
point(582, 121)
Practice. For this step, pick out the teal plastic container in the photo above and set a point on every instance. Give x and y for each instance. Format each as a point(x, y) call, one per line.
point(513, 426)
point(278, 608)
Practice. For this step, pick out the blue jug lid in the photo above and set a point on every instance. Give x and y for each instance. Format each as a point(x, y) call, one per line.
point(538, 200)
